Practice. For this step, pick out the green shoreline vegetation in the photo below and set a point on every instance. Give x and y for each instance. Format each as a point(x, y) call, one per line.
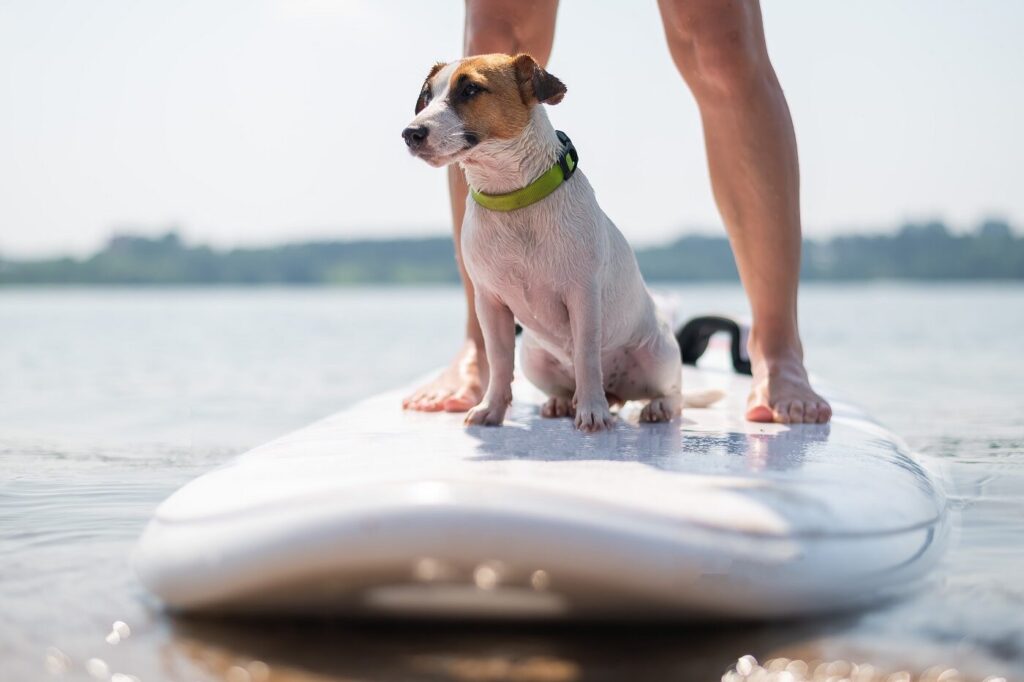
point(925, 251)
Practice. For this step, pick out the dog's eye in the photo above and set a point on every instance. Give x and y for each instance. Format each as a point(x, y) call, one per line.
point(470, 90)
point(424, 100)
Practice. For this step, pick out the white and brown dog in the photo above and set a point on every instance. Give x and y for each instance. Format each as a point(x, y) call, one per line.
point(540, 250)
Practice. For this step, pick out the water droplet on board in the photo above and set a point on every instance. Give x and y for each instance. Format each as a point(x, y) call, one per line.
point(237, 673)
point(838, 668)
point(540, 580)
point(98, 668)
point(901, 676)
point(745, 665)
point(121, 677)
point(427, 569)
point(488, 574)
point(798, 668)
point(57, 662)
point(259, 671)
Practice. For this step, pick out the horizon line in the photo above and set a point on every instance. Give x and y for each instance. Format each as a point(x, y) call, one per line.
point(153, 233)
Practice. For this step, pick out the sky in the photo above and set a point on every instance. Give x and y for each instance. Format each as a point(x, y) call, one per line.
point(250, 122)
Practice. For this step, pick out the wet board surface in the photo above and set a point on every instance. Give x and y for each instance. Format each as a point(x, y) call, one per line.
point(379, 512)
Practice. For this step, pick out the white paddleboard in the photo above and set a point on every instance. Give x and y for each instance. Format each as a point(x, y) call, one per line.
point(379, 512)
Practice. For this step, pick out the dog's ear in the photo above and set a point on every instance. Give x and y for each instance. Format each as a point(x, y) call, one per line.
point(424, 97)
point(536, 84)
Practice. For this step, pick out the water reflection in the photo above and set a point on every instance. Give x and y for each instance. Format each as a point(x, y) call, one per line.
point(667, 446)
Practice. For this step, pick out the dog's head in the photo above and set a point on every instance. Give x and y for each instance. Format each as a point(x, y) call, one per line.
point(475, 100)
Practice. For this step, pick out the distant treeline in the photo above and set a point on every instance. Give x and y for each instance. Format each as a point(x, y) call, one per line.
point(916, 251)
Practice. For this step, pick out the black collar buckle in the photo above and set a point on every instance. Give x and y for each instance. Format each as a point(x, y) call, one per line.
point(568, 152)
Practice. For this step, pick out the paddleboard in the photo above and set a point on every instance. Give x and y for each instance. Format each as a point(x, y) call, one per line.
point(379, 512)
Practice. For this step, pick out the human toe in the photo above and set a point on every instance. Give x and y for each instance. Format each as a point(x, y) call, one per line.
point(760, 413)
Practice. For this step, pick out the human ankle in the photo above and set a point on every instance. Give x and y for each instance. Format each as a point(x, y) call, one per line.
point(473, 344)
point(472, 358)
point(775, 346)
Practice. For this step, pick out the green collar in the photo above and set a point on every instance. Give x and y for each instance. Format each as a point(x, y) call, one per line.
point(547, 183)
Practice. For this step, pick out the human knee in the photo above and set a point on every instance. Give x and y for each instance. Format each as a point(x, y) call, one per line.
point(719, 48)
point(727, 67)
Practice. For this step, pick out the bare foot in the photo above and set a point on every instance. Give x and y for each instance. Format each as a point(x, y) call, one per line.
point(782, 393)
point(459, 387)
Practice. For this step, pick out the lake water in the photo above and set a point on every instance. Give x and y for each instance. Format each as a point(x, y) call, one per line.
point(111, 399)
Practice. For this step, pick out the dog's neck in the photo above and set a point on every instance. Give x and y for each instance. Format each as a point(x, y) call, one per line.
point(501, 166)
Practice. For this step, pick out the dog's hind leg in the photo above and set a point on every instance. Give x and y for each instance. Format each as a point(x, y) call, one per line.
point(662, 409)
point(550, 375)
point(654, 371)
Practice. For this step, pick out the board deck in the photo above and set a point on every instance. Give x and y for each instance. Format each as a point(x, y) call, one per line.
point(379, 512)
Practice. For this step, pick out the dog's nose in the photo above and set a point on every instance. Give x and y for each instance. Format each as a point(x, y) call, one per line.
point(415, 136)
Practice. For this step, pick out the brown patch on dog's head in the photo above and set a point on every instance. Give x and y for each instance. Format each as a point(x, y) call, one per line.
point(425, 91)
point(493, 94)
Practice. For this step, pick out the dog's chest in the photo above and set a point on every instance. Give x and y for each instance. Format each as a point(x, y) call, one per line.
point(503, 255)
point(516, 264)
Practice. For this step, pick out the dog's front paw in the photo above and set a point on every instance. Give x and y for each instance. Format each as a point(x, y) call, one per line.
point(593, 415)
point(486, 414)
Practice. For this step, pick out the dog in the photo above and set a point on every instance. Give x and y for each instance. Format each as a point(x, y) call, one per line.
point(540, 250)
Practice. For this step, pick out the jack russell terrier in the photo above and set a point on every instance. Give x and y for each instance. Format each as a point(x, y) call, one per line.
point(539, 250)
